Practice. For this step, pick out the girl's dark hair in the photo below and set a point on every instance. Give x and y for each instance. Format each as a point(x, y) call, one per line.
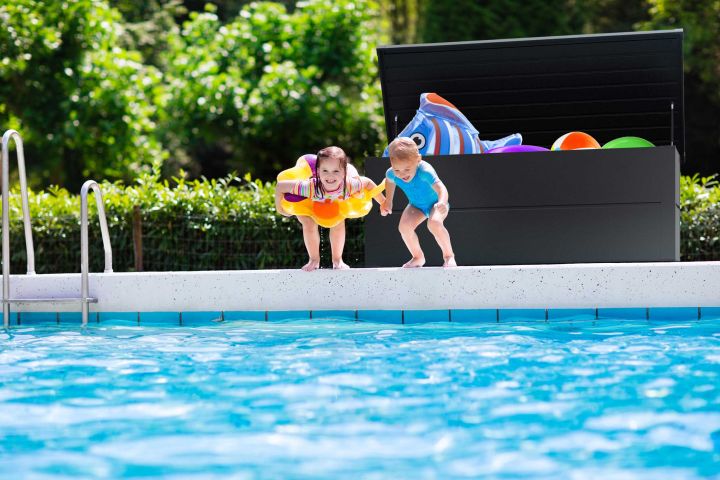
point(330, 152)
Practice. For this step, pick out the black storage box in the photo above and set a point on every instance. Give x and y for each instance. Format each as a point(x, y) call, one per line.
point(614, 205)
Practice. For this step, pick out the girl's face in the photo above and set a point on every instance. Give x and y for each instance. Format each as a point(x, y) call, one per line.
point(331, 173)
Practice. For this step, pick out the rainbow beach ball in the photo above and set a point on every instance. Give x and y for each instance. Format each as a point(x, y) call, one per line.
point(575, 141)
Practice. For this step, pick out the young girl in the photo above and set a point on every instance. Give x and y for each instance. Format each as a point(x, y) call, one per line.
point(334, 179)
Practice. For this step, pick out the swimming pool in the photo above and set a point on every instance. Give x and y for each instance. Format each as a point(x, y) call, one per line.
point(331, 398)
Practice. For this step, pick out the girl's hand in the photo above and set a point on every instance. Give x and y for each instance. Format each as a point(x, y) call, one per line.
point(278, 206)
point(385, 209)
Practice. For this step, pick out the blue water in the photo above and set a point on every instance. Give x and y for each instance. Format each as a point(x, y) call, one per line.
point(339, 399)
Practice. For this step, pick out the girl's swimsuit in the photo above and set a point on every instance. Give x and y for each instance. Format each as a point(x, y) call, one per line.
point(419, 189)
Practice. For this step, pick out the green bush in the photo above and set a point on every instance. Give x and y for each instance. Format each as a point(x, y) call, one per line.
point(198, 225)
point(700, 218)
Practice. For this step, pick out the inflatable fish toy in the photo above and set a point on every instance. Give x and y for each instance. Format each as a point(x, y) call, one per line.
point(439, 128)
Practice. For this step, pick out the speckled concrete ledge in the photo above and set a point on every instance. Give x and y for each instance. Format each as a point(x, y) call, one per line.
point(626, 285)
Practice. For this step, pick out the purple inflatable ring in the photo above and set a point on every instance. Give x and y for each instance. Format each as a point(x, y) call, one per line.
point(518, 148)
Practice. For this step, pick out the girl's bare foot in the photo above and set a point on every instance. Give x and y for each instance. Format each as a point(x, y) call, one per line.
point(450, 261)
point(415, 262)
point(340, 265)
point(313, 264)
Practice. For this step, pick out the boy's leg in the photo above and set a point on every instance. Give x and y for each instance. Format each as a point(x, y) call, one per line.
point(410, 219)
point(337, 244)
point(436, 226)
point(311, 236)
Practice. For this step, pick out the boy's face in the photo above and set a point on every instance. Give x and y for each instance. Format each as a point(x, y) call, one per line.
point(405, 168)
point(331, 173)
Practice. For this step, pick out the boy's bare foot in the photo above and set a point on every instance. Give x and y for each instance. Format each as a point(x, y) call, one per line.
point(340, 265)
point(450, 261)
point(313, 264)
point(415, 262)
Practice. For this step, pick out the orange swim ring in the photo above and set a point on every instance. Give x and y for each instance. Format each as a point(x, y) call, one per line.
point(327, 213)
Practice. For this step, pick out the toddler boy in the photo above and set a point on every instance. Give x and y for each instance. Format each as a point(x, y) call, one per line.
point(427, 199)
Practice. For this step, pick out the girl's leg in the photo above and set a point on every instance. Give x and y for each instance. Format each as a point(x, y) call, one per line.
point(411, 218)
point(311, 235)
point(337, 244)
point(436, 226)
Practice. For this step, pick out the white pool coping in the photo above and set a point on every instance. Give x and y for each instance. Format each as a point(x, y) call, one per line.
point(607, 285)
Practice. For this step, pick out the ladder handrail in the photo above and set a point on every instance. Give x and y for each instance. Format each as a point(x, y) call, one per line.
point(14, 135)
point(84, 249)
point(30, 250)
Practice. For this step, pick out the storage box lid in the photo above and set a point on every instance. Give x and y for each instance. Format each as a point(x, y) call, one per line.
point(607, 85)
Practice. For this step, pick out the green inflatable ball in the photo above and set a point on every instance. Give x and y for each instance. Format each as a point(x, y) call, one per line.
point(628, 142)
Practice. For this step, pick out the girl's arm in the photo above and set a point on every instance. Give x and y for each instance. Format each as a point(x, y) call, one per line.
point(368, 184)
point(283, 187)
point(386, 207)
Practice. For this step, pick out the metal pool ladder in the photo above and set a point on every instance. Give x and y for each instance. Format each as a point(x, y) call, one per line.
point(84, 300)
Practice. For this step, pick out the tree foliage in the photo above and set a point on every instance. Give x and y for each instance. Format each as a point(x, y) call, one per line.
point(84, 105)
point(257, 92)
point(402, 18)
point(460, 20)
point(701, 22)
point(96, 92)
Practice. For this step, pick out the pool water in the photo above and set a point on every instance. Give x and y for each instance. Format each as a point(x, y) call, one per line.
point(336, 399)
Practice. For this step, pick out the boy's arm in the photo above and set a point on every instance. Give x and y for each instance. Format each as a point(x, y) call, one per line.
point(283, 187)
point(386, 207)
point(443, 195)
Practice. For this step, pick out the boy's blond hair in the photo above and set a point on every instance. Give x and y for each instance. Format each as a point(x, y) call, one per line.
point(403, 148)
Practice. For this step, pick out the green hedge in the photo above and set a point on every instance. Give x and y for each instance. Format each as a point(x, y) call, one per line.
point(231, 224)
point(205, 224)
point(700, 218)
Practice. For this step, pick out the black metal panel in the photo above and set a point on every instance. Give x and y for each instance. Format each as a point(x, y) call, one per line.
point(545, 207)
point(609, 85)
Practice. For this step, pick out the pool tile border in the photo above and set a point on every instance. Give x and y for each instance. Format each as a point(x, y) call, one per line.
point(674, 313)
point(624, 313)
point(565, 314)
point(425, 316)
point(336, 314)
point(485, 315)
point(409, 317)
point(160, 318)
point(523, 315)
point(381, 316)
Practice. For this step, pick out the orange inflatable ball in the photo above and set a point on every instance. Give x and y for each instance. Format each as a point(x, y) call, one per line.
point(575, 141)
